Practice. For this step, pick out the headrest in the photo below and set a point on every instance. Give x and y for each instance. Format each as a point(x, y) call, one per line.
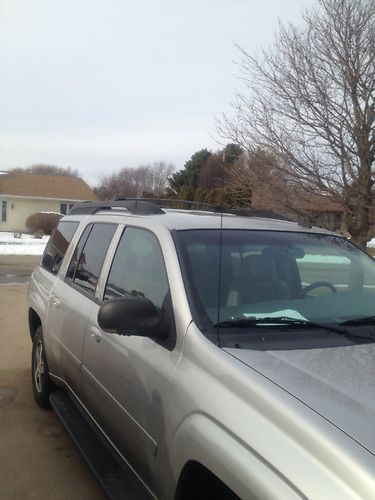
point(259, 268)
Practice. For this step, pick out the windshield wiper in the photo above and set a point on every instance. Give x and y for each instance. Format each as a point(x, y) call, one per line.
point(365, 320)
point(286, 321)
point(276, 320)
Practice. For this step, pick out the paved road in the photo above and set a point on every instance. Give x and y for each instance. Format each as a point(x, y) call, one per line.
point(37, 457)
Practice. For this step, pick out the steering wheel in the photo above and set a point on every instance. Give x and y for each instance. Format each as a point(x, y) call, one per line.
point(317, 284)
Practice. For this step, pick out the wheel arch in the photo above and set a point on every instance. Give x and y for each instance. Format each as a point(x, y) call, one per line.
point(34, 321)
point(196, 481)
point(201, 446)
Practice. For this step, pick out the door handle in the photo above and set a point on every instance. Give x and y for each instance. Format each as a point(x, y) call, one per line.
point(96, 334)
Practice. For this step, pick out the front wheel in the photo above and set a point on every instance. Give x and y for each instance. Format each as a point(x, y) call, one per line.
point(42, 384)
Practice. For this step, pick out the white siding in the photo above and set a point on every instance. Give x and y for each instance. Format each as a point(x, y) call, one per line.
point(19, 209)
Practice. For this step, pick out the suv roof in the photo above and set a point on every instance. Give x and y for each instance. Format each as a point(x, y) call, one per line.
point(207, 218)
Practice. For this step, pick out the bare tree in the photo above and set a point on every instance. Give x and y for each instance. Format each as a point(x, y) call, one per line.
point(153, 179)
point(310, 102)
point(145, 180)
point(273, 189)
point(44, 169)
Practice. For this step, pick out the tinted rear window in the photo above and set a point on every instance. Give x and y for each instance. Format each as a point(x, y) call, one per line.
point(85, 267)
point(58, 245)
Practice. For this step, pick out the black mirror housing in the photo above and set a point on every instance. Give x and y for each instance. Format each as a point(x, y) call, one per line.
point(130, 316)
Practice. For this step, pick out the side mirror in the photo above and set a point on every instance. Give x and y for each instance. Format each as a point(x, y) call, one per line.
point(131, 316)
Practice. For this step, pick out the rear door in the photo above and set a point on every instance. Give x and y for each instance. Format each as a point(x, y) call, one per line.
point(73, 299)
point(44, 278)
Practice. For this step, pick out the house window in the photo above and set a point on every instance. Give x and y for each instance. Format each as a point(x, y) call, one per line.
point(65, 208)
point(3, 211)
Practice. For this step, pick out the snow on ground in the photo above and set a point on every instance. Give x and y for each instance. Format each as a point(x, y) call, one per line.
point(26, 245)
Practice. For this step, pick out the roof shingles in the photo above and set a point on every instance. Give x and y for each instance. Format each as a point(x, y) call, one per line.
point(46, 186)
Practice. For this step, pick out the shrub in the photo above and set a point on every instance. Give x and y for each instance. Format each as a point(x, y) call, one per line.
point(42, 222)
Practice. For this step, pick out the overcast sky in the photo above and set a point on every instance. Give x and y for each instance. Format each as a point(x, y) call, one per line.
point(101, 84)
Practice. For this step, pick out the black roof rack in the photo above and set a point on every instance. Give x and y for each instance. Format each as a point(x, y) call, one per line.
point(142, 206)
point(153, 206)
point(178, 204)
point(133, 205)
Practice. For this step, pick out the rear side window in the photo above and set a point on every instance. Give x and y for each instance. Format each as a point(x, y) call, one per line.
point(78, 251)
point(58, 245)
point(89, 255)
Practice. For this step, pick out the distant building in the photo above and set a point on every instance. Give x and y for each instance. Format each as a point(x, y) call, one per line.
point(23, 194)
point(294, 203)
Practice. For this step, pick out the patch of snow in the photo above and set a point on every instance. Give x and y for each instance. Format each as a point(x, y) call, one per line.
point(371, 243)
point(26, 245)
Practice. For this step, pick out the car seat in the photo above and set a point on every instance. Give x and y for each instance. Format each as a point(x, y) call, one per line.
point(258, 282)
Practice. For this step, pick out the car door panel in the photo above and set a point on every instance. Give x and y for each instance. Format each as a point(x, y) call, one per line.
point(73, 298)
point(116, 376)
point(67, 323)
point(125, 379)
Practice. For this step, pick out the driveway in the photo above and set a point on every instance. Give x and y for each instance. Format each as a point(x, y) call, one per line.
point(37, 457)
point(17, 269)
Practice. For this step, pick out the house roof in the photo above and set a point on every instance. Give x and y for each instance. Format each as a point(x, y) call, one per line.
point(45, 186)
point(299, 199)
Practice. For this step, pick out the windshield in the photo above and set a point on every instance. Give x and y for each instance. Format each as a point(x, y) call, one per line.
point(242, 281)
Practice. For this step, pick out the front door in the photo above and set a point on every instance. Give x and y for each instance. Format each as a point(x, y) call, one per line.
point(126, 378)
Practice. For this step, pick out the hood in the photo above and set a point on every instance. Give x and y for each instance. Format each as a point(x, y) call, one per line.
point(338, 383)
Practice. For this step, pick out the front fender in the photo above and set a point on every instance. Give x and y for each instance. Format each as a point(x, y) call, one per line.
point(201, 439)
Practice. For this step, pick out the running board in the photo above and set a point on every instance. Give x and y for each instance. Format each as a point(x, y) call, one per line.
point(116, 478)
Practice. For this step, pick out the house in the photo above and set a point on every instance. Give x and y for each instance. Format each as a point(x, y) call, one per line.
point(318, 209)
point(23, 194)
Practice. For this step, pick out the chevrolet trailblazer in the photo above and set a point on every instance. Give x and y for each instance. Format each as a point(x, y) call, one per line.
point(199, 354)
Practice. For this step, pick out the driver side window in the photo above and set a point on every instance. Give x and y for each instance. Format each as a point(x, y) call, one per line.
point(138, 268)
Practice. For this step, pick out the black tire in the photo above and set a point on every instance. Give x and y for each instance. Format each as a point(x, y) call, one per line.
point(42, 384)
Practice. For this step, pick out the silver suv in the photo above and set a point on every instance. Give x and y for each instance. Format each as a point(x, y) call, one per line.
point(194, 354)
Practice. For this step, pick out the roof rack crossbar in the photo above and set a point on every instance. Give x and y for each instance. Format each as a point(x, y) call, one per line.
point(133, 205)
point(177, 203)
